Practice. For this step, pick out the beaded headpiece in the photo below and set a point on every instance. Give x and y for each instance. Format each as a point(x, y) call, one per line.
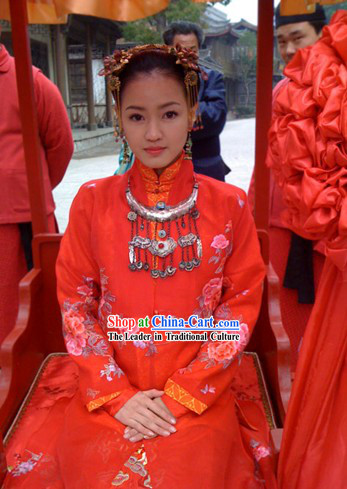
point(188, 59)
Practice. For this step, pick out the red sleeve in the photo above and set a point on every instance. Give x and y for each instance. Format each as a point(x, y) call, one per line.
point(54, 126)
point(197, 386)
point(79, 281)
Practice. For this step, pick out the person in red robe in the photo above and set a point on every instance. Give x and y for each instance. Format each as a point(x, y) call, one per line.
point(297, 262)
point(310, 117)
point(56, 146)
point(158, 241)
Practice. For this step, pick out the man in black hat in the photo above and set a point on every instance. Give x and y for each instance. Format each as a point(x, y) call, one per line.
point(295, 32)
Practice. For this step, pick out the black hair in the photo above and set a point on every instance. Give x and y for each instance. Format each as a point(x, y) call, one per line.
point(183, 27)
point(147, 62)
point(318, 26)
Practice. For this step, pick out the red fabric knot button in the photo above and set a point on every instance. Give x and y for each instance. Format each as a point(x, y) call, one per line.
point(161, 245)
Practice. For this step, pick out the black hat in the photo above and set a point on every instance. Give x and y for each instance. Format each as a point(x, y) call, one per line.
point(317, 16)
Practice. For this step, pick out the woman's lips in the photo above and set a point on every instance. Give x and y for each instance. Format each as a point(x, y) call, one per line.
point(155, 150)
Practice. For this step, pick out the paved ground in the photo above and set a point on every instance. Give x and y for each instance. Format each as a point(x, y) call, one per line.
point(237, 142)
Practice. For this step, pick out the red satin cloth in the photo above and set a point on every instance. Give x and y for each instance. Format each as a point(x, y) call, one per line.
point(314, 446)
point(42, 418)
point(311, 121)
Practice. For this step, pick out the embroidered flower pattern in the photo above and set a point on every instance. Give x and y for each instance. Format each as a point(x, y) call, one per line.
point(106, 299)
point(259, 451)
point(92, 393)
point(25, 466)
point(240, 201)
point(75, 332)
point(208, 389)
point(134, 470)
point(111, 370)
point(221, 351)
point(220, 242)
point(211, 296)
point(120, 478)
point(79, 322)
point(223, 247)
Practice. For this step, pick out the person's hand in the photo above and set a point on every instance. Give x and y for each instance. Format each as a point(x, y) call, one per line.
point(146, 415)
point(134, 435)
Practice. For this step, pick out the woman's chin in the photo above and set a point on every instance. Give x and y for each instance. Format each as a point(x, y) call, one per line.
point(159, 162)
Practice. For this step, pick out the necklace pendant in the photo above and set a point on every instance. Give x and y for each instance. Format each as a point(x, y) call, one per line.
point(162, 248)
point(132, 216)
point(199, 247)
point(132, 257)
point(171, 270)
point(155, 273)
point(189, 266)
point(187, 240)
point(161, 206)
point(196, 262)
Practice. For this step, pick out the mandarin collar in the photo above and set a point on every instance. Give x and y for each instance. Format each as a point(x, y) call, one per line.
point(179, 176)
point(5, 59)
point(167, 177)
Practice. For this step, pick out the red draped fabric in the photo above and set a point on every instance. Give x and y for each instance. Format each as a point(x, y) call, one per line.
point(311, 120)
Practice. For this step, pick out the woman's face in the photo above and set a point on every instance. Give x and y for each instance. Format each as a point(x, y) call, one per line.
point(155, 118)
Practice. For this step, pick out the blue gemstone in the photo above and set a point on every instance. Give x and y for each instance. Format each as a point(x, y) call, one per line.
point(161, 205)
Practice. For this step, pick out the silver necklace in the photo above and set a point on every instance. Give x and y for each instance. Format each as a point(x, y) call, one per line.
point(162, 246)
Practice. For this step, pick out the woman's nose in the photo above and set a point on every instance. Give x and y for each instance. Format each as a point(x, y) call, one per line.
point(153, 132)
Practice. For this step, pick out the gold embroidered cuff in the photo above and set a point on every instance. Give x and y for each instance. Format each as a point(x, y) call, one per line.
point(96, 403)
point(182, 396)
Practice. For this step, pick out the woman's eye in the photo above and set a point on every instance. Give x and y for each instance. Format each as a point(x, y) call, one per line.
point(136, 117)
point(170, 115)
point(298, 39)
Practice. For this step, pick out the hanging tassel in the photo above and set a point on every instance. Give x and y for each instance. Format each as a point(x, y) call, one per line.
point(188, 148)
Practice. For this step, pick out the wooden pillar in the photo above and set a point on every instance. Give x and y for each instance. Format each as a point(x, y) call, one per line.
point(263, 112)
point(89, 79)
point(61, 60)
point(28, 115)
point(109, 98)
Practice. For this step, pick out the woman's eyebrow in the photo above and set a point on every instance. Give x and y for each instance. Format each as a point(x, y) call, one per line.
point(163, 106)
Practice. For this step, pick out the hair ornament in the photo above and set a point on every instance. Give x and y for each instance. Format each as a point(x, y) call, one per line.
point(188, 59)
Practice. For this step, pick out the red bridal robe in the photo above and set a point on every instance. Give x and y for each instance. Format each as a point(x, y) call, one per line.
point(211, 448)
point(311, 115)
